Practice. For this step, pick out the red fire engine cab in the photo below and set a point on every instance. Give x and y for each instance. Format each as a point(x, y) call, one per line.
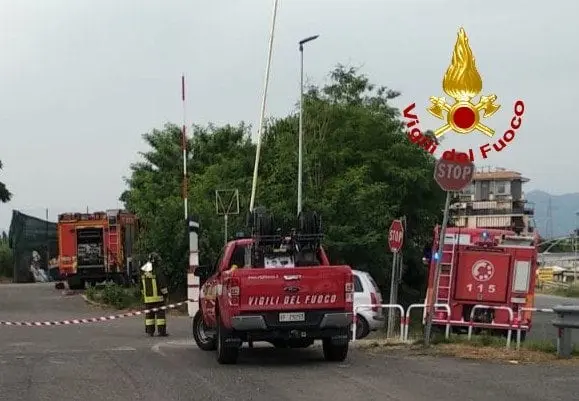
point(95, 247)
point(490, 268)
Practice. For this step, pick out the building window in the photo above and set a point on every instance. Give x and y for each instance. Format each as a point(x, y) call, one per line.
point(468, 190)
point(501, 187)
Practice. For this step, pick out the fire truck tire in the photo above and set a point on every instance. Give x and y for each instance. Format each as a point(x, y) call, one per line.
point(362, 327)
point(226, 354)
point(74, 283)
point(334, 352)
point(203, 340)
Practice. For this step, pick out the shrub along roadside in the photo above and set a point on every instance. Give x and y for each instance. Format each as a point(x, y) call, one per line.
point(499, 344)
point(115, 295)
point(570, 292)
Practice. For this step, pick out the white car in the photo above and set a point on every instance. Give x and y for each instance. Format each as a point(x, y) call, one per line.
point(366, 292)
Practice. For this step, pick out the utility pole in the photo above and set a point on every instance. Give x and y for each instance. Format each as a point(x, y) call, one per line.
point(301, 124)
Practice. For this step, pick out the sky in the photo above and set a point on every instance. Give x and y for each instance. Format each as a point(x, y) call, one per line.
point(83, 80)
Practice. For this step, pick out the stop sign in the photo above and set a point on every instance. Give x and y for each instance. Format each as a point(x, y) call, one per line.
point(453, 175)
point(396, 236)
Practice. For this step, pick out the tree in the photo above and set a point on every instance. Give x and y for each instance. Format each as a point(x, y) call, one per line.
point(360, 172)
point(222, 158)
point(5, 194)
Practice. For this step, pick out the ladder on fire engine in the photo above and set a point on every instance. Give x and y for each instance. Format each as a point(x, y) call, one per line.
point(114, 237)
point(446, 267)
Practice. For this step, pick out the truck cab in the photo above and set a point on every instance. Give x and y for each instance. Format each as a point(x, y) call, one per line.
point(493, 270)
point(274, 288)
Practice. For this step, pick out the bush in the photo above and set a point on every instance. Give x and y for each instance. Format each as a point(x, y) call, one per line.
point(6, 260)
point(115, 295)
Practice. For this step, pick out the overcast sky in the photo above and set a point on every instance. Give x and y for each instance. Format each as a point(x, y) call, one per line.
point(82, 80)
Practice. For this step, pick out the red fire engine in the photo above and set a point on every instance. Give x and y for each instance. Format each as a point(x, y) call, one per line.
point(95, 247)
point(490, 268)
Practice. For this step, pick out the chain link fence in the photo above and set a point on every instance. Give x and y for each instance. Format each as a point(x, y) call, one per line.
point(34, 242)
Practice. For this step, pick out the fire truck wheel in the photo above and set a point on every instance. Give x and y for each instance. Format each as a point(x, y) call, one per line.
point(334, 352)
point(203, 338)
point(75, 283)
point(362, 327)
point(226, 354)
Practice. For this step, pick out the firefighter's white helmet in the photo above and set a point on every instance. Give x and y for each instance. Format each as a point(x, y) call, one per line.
point(147, 267)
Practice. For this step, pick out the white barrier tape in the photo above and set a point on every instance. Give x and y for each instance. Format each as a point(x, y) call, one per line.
point(92, 319)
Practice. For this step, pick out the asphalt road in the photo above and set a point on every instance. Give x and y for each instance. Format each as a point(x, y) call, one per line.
point(542, 328)
point(115, 361)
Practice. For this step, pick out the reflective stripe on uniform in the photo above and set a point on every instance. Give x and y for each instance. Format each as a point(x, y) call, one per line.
point(149, 322)
point(161, 322)
point(150, 293)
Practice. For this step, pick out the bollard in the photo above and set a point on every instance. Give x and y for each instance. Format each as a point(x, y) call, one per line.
point(567, 320)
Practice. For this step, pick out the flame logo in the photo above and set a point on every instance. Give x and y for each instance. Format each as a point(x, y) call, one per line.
point(463, 82)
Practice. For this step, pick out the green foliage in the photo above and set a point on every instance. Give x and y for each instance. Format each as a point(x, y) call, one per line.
point(6, 257)
point(5, 194)
point(360, 172)
point(115, 295)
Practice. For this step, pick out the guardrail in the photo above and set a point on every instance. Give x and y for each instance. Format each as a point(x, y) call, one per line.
point(384, 306)
point(422, 306)
point(505, 308)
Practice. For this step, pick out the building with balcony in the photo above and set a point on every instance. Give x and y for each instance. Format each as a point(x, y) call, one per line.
point(494, 199)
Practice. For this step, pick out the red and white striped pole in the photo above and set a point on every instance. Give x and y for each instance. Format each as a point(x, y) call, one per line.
point(184, 148)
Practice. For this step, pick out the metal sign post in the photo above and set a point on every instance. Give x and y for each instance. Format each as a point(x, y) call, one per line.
point(451, 176)
point(395, 241)
point(226, 203)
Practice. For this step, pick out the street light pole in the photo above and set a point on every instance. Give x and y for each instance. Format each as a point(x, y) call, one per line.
point(301, 123)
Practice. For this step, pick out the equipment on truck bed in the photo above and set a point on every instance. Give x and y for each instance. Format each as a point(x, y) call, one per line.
point(95, 247)
point(271, 248)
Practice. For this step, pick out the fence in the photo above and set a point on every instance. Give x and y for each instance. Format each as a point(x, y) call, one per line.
point(33, 242)
point(513, 325)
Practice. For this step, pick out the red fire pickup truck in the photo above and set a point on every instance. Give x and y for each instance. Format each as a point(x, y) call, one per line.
point(279, 289)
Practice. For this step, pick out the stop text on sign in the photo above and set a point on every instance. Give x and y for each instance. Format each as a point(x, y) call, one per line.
point(395, 236)
point(453, 171)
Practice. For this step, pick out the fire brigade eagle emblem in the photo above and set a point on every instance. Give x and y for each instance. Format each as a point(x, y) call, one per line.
point(483, 270)
point(462, 82)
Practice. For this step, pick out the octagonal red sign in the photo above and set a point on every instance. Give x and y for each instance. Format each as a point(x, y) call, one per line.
point(396, 236)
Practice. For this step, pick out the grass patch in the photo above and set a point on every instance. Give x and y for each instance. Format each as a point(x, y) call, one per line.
point(115, 295)
point(570, 292)
point(480, 347)
point(487, 347)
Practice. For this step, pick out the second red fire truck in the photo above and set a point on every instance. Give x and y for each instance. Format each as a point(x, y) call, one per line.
point(95, 247)
point(494, 269)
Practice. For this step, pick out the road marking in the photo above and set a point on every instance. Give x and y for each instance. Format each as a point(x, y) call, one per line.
point(174, 344)
point(122, 348)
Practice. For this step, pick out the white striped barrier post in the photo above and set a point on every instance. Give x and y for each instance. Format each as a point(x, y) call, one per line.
point(192, 279)
point(385, 306)
point(424, 306)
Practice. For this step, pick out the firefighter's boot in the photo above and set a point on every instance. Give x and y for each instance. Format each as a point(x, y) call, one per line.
point(162, 330)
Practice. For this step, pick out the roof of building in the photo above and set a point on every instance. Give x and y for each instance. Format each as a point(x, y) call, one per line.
point(498, 174)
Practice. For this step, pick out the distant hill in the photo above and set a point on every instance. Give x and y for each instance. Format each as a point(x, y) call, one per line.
point(563, 209)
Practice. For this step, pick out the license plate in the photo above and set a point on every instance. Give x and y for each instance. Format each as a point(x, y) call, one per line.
point(292, 317)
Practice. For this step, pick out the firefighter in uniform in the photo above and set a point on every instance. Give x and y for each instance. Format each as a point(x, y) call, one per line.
point(154, 288)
